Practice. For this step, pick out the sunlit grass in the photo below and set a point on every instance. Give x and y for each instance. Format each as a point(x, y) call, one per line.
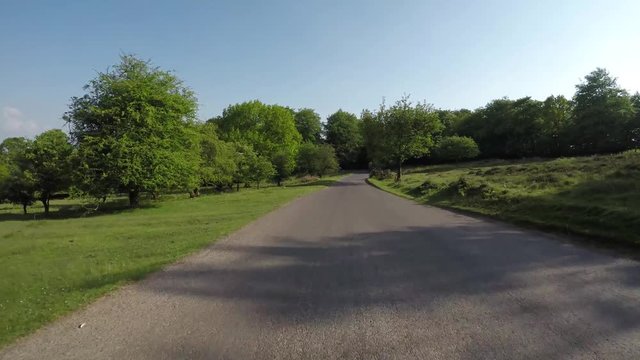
point(597, 196)
point(52, 266)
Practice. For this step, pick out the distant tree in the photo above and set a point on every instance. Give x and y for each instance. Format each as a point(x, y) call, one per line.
point(283, 166)
point(451, 119)
point(556, 119)
point(261, 169)
point(309, 125)
point(50, 157)
point(134, 131)
point(326, 161)
point(634, 128)
point(269, 129)
point(456, 148)
point(18, 185)
point(218, 158)
point(407, 130)
point(244, 158)
point(305, 161)
point(343, 131)
point(603, 113)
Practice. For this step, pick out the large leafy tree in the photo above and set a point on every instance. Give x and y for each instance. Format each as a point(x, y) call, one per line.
point(408, 131)
point(456, 148)
point(344, 132)
point(269, 129)
point(50, 156)
point(603, 113)
point(134, 131)
point(309, 125)
point(317, 159)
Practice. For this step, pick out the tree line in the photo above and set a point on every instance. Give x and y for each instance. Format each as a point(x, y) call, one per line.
point(135, 131)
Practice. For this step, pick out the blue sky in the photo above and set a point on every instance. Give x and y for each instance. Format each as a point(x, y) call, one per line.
point(320, 54)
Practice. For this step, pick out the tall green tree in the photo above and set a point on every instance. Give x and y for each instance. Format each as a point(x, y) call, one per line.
point(602, 114)
point(269, 129)
point(344, 133)
point(261, 169)
point(283, 165)
point(134, 131)
point(309, 125)
point(50, 155)
point(408, 131)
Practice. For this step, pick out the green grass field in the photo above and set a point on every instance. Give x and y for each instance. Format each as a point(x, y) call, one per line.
point(50, 267)
point(597, 196)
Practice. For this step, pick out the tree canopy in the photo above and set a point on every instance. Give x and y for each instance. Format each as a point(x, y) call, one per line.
point(343, 132)
point(134, 131)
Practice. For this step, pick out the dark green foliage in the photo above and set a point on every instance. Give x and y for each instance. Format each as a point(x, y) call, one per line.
point(603, 115)
point(134, 132)
point(18, 185)
point(456, 148)
point(343, 132)
point(317, 160)
point(309, 125)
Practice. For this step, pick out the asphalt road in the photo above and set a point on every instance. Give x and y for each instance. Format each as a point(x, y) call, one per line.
point(353, 272)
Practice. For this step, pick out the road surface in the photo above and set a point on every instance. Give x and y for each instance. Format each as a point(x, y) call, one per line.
point(353, 272)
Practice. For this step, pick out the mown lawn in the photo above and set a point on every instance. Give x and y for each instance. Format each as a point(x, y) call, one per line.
point(597, 196)
point(52, 266)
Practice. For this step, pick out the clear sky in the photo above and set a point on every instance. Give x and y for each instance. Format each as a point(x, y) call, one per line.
point(325, 55)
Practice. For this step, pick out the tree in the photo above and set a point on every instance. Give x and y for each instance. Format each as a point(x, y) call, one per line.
point(269, 129)
point(603, 113)
point(344, 133)
point(283, 166)
point(18, 186)
point(261, 169)
point(244, 158)
point(218, 158)
point(556, 119)
point(317, 159)
point(305, 162)
point(456, 148)
point(309, 125)
point(326, 161)
point(407, 131)
point(50, 157)
point(134, 131)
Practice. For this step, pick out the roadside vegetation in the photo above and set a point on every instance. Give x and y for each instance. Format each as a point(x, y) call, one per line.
point(54, 265)
point(597, 196)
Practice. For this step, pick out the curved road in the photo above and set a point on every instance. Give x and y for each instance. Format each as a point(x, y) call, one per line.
point(353, 272)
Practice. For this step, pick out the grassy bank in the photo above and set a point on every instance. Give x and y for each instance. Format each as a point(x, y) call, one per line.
point(50, 267)
point(597, 196)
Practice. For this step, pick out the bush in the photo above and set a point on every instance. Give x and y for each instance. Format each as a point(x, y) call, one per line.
point(456, 148)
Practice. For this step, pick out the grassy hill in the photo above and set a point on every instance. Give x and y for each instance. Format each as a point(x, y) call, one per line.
point(52, 266)
point(597, 196)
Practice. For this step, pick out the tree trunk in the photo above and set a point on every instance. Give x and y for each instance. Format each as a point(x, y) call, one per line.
point(45, 203)
point(237, 187)
point(279, 182)
point(134, 198)
point(399, 171)
point(24, 208)
point(258, 184)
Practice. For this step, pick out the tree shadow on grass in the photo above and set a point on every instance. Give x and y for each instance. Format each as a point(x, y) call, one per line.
point(503, 280)
point(76, 211)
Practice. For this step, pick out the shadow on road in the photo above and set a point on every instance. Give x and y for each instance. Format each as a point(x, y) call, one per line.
point(513, 281)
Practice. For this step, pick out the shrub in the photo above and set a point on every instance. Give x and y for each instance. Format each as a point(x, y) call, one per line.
point(456, 148)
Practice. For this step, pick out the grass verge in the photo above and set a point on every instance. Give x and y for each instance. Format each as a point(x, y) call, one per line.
point(53, 266)
point(595, 196)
